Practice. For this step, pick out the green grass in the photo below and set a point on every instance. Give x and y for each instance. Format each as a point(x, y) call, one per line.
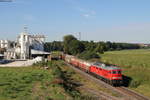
point(135, 64)
point(32, 83)
point(58, 82)
point(37, 83)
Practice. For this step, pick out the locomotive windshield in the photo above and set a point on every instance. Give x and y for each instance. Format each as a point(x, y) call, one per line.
point(116, 72)
point(99, 64)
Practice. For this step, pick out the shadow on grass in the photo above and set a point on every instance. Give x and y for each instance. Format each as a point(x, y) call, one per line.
point(126, 80)
point(69, 84)
point(71, 87)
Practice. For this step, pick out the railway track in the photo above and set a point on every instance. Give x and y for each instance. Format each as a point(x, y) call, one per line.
point(136, 95)
point(125, 92)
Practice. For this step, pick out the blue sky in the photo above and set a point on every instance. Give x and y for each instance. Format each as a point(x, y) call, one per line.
point(98, 20)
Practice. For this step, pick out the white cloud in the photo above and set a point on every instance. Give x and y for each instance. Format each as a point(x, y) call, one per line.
point(84, 12)
point(86, 15)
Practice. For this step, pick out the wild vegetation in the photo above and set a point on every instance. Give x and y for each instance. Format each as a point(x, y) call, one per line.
point(135, 65)
point(35, 83)
point(31, 83)
point(58, 82)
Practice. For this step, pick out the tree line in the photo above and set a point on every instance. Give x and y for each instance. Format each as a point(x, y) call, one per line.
point(86, 49)
point(53, 46)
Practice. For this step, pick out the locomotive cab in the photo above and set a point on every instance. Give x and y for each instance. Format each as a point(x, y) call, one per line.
point(116, 76)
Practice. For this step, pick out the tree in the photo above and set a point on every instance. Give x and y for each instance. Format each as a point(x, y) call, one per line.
point(72, 45)
point(53, 46)
point(108, 45)
point(91, 46)
point(100, 48)
point(67, 42)
point(76, 47)
point(88, 55)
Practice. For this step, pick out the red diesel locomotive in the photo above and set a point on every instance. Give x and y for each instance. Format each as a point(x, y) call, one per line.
point(109, 73)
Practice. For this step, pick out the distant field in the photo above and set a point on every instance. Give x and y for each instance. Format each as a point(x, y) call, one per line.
point(135, 64)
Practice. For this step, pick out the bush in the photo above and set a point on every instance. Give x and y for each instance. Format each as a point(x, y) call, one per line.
point(89, 55)
point(135, 83)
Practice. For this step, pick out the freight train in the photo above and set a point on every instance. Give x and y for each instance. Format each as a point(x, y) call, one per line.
point(110, 74)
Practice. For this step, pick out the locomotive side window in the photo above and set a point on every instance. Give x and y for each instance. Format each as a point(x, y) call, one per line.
point(119, 72)
point(114, 72)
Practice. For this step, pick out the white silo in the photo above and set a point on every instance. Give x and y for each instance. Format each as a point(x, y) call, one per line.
point(2, 43)
point(24, 43)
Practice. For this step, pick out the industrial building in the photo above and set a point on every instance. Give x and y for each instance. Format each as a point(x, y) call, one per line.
point(5, 44)
point(24, 44)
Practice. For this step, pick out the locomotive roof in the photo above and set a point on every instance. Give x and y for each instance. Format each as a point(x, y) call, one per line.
point(107, 67)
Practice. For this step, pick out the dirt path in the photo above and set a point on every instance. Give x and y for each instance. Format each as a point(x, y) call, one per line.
point(18, 64)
